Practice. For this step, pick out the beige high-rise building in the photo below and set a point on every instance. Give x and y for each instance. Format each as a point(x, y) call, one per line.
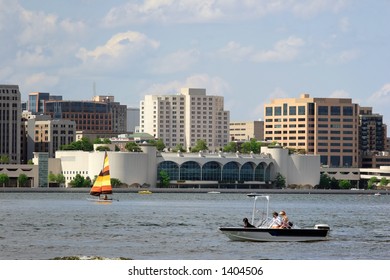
point(185, 118)
point(46, 135)
point(321, 126)
point(10, 122)
point(245, 131)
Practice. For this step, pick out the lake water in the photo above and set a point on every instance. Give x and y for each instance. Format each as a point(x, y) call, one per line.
point(185, 226)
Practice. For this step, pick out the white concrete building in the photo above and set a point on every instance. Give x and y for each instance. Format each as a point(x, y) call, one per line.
point(185, 118)
point(194, 169)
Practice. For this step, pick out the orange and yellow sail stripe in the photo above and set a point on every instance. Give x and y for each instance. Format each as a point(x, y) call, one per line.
point(102, 183)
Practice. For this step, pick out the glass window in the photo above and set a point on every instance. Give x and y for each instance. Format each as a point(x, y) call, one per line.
point(285, 106)
point(348, 111)
point(311, 109)
point(211, 171)
point(292, 111)
point(301, 110)
point(347, 161)
point(171, 168)
point(190, 170)
point(268, 111)
point(247, 172)
point(278, 111)
point(335, 110)
point(334, 161)
point(322, 110)
point(230, 171)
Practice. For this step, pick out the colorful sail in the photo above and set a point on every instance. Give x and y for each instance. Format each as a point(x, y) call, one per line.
point(102, 183)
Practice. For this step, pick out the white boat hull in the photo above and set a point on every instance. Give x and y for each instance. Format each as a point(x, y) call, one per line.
point(270, 234)
point(99, 200)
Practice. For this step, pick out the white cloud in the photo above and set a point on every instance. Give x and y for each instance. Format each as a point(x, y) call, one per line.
point(339, 94)
point(284, 50)
point(344, 24)
point(213, 85)
point(381, 96)
point(119, 46)
point(175, 62)
point(236, 52)
point(214, 10)
point(40, 81)
point(310, 8)
point(344, 56)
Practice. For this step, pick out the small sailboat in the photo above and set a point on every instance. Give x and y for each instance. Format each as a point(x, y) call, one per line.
point(102, 185)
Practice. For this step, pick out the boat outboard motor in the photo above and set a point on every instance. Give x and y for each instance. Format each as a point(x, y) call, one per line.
point(322, 226)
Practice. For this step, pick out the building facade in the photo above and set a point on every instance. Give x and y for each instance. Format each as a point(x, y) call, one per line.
point(45, 135)
point(36, 101)
point(10, 122)
point(195, 169)
point(185, 118)
point(133, 119)
point(372, 131)
point(101, 115)
point(321, 126)
point(245, 131)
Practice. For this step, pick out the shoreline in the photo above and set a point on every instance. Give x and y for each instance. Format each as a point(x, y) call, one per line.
point(197, 190)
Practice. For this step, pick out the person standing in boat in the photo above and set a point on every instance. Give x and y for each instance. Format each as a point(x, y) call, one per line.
point(276, 221)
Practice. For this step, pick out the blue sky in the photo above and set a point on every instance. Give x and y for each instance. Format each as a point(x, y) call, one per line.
point(248, 51)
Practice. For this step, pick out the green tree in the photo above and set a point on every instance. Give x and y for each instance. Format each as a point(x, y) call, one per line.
point(201, 145)
point(164, 178)
point(115, 182)
point(160, 146)
point(103, 148)
point(81, 145)
point(22, 180)
point(383, 182)
point(51, 177)
point(334, 184)
point(132, 147)
point(80, 182)
point(59, 178)
point(324, 181)
point(371, 182)
point(4, 159)
point(345, 184)
point(280, 181)
point(251, 146)
point(178, 148)
point(231, 147)
point(4, 179)
point(102, 141)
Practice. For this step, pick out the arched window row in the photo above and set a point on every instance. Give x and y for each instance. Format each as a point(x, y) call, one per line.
point(215, 171)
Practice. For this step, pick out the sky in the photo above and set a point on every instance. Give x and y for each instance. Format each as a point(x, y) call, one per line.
point(248, 51)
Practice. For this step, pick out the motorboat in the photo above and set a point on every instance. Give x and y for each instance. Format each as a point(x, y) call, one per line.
point(262, 230)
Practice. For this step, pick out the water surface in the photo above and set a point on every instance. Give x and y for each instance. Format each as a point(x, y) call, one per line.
point(185, 226)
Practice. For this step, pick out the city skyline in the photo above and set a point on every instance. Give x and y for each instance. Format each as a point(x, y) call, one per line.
point(246, 51)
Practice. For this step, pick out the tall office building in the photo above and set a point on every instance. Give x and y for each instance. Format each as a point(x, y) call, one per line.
point(322, 126)
point(372, 131)
point(46, 135)
point(10, 122)
point(36, 101)
point(101, 115)
point(185, 118)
